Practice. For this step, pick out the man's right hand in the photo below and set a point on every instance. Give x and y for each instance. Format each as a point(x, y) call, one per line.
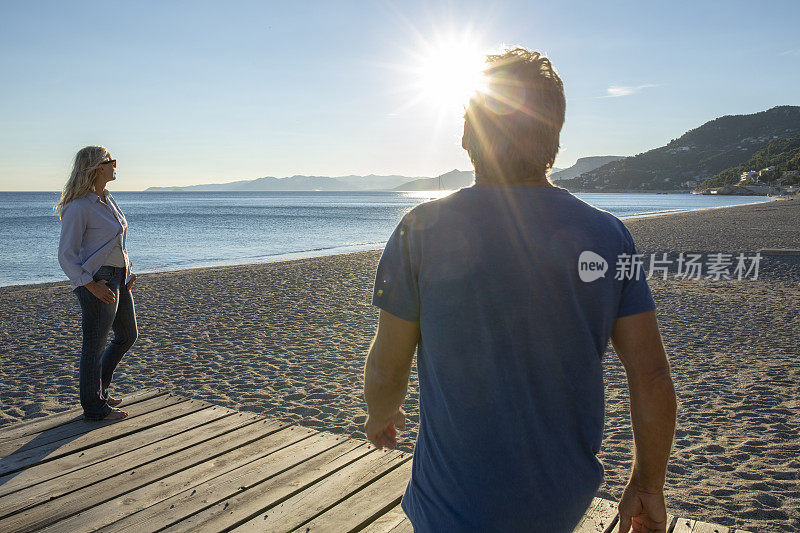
point(645, 512)
point(101, 291)
point(383, 433)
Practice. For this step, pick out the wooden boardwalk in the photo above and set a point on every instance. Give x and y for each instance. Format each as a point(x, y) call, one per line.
point(176, 464)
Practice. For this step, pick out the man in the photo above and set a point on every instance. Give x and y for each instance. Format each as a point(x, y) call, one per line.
point(507, 291)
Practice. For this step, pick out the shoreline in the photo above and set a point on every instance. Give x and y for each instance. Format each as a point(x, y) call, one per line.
point(288, 340)
point(677, 212)
point(310, 254)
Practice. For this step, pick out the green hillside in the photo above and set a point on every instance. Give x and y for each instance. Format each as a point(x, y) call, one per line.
point(696, 156)
point(783, 154)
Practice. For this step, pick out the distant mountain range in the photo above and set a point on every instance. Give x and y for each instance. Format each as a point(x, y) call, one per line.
point(699, 154)
point(711, 154)
point(298, 183)
point(583, 164)
point(455, 179)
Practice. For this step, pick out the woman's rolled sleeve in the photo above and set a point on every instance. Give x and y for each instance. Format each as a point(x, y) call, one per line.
point(73, 224)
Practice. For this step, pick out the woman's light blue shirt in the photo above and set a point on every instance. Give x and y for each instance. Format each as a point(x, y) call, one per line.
point(89, 231)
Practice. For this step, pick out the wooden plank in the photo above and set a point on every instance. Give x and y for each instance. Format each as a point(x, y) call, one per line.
point(671, 520)
point(253, 502)
point(390, 522)
point(183, 464)
point(182, 505)
point(403, 527)
point(43, 423)
point(687, 525)
point(79, 427)
point(40, 473)
point(73, 482)
point(361, 508)
point(25, 458)
point(600, 515)
point(131, 503)
point(217, 452)
point(320, 496)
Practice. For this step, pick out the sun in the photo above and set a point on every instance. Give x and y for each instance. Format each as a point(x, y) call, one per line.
point(449, 71)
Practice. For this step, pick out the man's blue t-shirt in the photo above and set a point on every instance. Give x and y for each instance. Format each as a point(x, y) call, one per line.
point(515, 311)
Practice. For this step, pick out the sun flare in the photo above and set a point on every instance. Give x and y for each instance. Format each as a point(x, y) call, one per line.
point(449, 72)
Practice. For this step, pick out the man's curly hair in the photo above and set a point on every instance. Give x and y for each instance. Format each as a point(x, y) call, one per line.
point(512, 128)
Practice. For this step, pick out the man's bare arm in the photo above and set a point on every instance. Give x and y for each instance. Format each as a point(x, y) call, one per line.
point(638, 344)
point(386, 377)
point(637, 341)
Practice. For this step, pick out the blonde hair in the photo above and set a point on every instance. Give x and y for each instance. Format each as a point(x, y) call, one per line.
point(81, 179)
point(512, 130)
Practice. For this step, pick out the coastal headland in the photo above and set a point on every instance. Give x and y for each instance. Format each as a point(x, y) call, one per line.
point(288, 340)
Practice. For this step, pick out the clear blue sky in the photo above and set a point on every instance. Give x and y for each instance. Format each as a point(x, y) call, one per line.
point(202, 92)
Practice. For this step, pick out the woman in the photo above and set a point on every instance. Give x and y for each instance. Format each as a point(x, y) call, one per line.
point(92, 252)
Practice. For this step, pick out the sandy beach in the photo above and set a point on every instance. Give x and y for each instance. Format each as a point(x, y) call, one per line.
point(288, 340)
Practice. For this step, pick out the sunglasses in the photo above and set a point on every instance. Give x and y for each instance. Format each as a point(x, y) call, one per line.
point(112, 162)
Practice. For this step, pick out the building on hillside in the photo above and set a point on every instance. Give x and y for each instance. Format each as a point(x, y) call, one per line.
point(766, 172)
point(747, 175)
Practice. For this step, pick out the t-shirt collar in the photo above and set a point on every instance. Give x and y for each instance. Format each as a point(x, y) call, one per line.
point(517, 187)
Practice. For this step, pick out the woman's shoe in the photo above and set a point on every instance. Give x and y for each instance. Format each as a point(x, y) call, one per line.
point(115, 414)
point(113, 402)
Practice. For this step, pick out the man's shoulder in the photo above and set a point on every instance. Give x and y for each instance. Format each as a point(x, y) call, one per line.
point(589, 224)
point(448, 210)
point(422, 215)
point(455, 207)
point(604, 219)
point(612, 225)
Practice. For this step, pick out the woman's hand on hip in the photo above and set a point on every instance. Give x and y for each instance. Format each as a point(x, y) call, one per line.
point(99, 289)
point(130, 283)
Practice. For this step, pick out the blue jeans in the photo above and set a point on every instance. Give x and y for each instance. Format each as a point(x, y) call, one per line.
point(98, 361)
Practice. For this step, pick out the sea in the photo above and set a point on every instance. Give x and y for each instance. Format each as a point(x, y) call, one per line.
point(180, 230)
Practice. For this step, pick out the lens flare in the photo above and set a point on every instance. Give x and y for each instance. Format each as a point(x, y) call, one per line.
point(449, 72)
point(504, 94)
